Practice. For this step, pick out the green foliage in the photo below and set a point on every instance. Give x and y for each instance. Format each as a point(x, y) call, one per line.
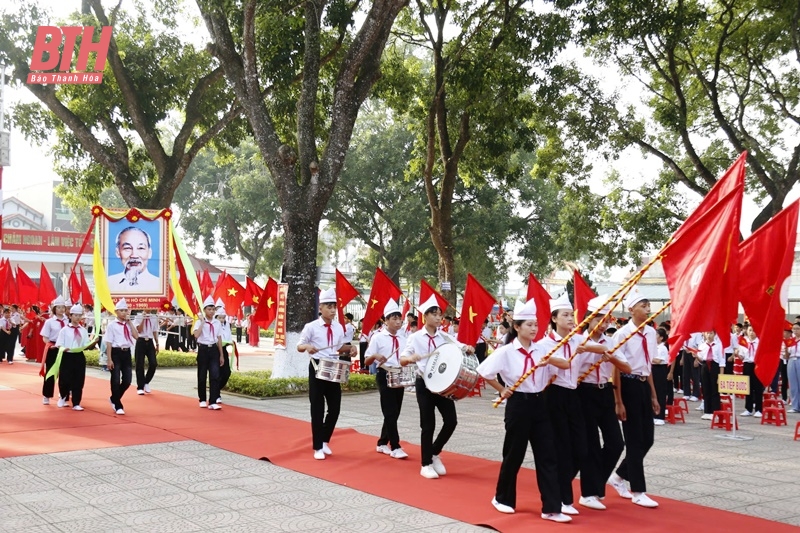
point(166, 359)
point(261, 384)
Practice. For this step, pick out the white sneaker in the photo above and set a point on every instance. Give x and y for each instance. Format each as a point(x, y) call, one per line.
point(140, 392)
point(326, 449)
point(113, 407)
point(502, 507)
point(620, 486)
point(62, 402)
point(319, 455)
point(707, 416)
point(592, 503)
point(438, 466)
point(644, 500)
point(399, 453)
point(658, 422)
point(679, 391)
point(757, 414)
point(203, 405)
point(383, 449)
point(11, 362)
point(557, 517)
point(147, 388)
point(77, 408)
point(745, 413)
point(699, 407)
point(219, 400)
point(215, 407)
point(793, 411)
point(120, 412)
point(692, 398)
point(569, 509)
point(428, 472)
point(45, 400)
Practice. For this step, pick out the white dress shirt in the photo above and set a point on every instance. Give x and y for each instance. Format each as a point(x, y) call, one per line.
point(639, 350)
point(511, 362)
point(711, 352)
point(150, 327)
point(116, 336)
point(52, 326)
point(72, 337)
point(749, 355)
point(422, 343)
point(601, 374)
point(225, 330)
point(211, 330)
point(383, 344)
point(566, 377)
point(316, 334)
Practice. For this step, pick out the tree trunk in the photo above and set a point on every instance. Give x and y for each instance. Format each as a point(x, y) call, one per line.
point(299, 259)
point(441, 231)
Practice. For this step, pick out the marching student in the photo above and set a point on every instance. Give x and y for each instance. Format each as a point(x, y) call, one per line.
point(349, 333)
point(691, 368)
point(6, 337)
point(72, 374)
point(323, 339)
point(526, 416)
point(227, 340)
point(755, 400)
point(563, 402)
point(120, 337)
point(384, 348)
point(597, 401)
point(711, 358)
point(636, 400)
point(210, 356)
point(49, 334)
point(662, 376)
point(147, 326)
point(418, 347)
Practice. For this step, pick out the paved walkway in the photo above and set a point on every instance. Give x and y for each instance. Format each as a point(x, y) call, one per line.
point(190, 486)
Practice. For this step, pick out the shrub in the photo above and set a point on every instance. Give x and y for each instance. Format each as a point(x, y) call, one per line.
point(259, 383)
point(166, 358)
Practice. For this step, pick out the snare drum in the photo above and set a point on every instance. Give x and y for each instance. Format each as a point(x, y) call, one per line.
point(400, 377)
point(451, 373)
point(332, 370)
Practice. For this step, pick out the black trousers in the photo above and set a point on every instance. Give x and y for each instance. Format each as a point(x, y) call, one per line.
point(120, 375)
point(755, 400)
point(321, 392)
point(599, 416)
point(428, 403)
point(225, 370)
point(527, 421)
point(207, 367)
point(191, 341)
point(72, 376)
point(391, 404)
point(677, 374)
point(783, 368)
point(173, 339)
point(238, 334)
point(480, 351)
point(183, 336)
point(5, 343)
point(569, 430)
point(362, 349)
point(691, 376)
point(49, 385)
point(638, 430)
point(709, 372)
point(666, 395)
point(145, 349)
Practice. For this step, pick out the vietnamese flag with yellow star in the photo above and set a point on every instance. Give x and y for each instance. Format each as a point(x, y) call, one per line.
point(477, 305)
point(267, 305)
point(345, 292)
point(252, 293)
point(231, 293)
point(383, 290)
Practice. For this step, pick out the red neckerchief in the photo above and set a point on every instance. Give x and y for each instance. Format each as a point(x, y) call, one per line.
point(710, 355)
point(567, 353)
point(329, 335)
point(60, 321)
point(431, 341)
point(644, 347)
point(751, 349)
point(126, 331)
point(211, 325)
point(77, 334)
point(395, 344)
point(528, 363)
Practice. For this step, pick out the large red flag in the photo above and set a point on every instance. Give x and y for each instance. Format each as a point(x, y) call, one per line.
point(206, 285)
point(702, 273)
point(74, 287)
point(252, 292)
point(542, 299)
point(230, 292)
point(4, 299)
point(47, 293)
point(765, 270)
point(267, 308)
point(477, 305)
point(425, 292)
point(11, 285)
point(28, 291)
point(345, 292)
point(583, 293)
point(383, 290)
point(86, 294)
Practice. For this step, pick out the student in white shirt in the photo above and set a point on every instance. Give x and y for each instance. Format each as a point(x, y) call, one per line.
point(210, 356)
point(72, 375)
point(711, 357)
point(384, 348)
point(49, 334)
point(119, 338)
point(793, 369)
point(755, 400)
point(526, 416)
point(661, 373)
point(227, 340)
point(6, 337)
point(146, 347)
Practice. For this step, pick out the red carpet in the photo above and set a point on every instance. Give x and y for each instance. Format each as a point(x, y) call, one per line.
point(464, 494)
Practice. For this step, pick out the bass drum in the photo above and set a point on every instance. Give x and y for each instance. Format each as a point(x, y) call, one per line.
point(451, 373)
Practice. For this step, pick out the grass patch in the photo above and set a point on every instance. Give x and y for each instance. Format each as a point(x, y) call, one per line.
point(166, 358)
point(259, 383)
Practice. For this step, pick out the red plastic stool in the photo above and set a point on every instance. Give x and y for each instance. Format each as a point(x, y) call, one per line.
point(797, 431)
point(774, 402)
point(673, 413)
point(774, 415)
point(476, 390)
point(722, 419)
point(682, 403)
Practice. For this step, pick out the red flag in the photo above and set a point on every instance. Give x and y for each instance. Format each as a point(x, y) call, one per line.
point(206, 285)
point(345, 293)
point(86, 294)
point(765, 270)
point(425, 292)
point(10, 290)
point(252, 292)
point(477, 305)
point(4, 291)
point(219, 281)
point(28, 291)
point(267, 306)
point(406, 308)
point(542, 299)
point(47, 293)
point(74, 287)
point(383, 290)
point(701, 270)
point(583, 293)
point(230, 292)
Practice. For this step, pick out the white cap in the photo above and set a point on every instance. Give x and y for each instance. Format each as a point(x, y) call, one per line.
point(76, 309)
point(562, 302)
point(596, 302)
point(59, 301)
point(220, 312)
point(525, 310)
point(121, 304)
point(208, 302)
point(391, 307)
point(68, 303)
point(428, 304)
point(328, 296)
point(633, 298)
point(219, 303)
